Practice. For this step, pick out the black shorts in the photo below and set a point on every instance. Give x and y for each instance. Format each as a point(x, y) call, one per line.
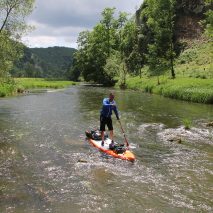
point(105, 121)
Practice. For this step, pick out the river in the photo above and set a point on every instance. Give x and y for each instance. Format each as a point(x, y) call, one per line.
point(46, 165)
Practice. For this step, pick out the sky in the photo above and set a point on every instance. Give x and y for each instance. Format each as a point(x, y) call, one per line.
point(58, 22)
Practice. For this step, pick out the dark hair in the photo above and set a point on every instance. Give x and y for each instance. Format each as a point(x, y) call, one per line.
point(111, 94)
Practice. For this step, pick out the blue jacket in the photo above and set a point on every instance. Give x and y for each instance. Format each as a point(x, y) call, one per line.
point(107, 108)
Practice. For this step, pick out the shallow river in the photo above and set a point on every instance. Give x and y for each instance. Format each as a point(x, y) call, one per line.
point(46, 165)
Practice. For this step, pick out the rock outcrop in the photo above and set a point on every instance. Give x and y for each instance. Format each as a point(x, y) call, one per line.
point(188, 13)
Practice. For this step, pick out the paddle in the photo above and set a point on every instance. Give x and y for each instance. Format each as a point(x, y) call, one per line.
point(127, 144)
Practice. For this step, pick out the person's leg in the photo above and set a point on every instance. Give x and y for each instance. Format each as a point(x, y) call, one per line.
point(110, 127)
point(102, 136)
point(111, 135)
point(102, 129)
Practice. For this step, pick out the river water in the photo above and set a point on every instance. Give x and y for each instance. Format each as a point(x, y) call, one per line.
point(46, 165)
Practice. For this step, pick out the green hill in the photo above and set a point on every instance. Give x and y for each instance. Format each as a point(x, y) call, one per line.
point(194, 76)
point(51, 62)
point(196, 60)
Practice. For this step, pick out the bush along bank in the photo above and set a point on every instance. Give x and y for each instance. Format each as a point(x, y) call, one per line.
point(7, 89)
point(187, 89)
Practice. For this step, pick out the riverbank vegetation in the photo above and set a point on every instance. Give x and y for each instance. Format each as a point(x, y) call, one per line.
point(183, 88)
point(12, 28)
point(20, 85)
point(31, 83)
point(18, 60)
point(155, 44)
point(7, 87)
point(194, 76)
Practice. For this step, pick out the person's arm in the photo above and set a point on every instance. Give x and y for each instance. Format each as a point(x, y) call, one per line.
point(115, 111)
point(106, 102)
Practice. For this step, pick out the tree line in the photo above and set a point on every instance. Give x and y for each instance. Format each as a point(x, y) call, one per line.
point(122, 45)
point(12, 28)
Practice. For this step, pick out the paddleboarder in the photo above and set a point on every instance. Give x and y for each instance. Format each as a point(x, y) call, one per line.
point(109, 105)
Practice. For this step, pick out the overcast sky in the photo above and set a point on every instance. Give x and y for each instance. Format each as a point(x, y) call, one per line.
point(58, 22)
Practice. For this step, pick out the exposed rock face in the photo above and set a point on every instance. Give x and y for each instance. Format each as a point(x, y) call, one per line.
point(189, 13)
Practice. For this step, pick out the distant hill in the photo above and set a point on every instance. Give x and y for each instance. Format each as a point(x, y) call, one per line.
point(51, 62)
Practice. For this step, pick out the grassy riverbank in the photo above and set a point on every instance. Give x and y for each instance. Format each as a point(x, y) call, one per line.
point(30, 83)
point(188, 89)
point(194, 76)
point(7, 89)
point(196, 61)
point(19, 85)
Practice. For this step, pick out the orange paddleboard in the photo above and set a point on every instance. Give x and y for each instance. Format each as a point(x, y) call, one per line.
point(125, 155)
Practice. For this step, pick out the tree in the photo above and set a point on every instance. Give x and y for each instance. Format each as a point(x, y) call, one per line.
point(8, 52)
point(12, 27)
point(119, 25)
point(95, 47)
point(107, 22)
point(160, 20)
point(209, 20)
point(81, 56)
point(112, 66)
point(73, 73)
point(104, 53)
point(12, 16)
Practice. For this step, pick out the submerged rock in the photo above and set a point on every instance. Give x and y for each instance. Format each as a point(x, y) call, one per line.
point(210, 124)
point(82, 161)
point(175, 139)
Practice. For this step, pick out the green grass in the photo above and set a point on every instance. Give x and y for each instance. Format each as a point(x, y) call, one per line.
point(194, 76)
point(7, 89)
point(196, 62)
point(188, 89)
point(187, 124)
point(31, 83)
point(19, 85)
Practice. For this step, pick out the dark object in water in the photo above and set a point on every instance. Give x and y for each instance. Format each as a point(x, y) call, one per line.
point(82, 161)
point(210, 124)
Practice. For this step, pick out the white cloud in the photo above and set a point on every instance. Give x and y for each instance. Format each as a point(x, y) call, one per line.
point(58, 22)
point(49, 41)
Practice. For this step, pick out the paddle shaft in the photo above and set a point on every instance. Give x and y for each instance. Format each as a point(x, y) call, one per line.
point(127, 144)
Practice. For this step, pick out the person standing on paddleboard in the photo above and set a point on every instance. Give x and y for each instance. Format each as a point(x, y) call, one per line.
point(109, 105)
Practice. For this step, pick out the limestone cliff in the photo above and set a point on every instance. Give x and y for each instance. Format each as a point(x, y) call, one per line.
point(189, 13)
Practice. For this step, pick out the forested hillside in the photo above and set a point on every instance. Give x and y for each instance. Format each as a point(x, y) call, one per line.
point(51, 62)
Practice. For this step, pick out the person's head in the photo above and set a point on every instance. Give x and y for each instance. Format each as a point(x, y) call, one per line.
point(111, 96)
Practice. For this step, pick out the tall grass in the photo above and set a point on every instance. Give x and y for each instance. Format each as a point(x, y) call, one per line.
point(7, 86)
point(187, 124)
point(30, 83)
point(196, 62)
point(7, 89)
point(12, 86)
point(188, 89)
